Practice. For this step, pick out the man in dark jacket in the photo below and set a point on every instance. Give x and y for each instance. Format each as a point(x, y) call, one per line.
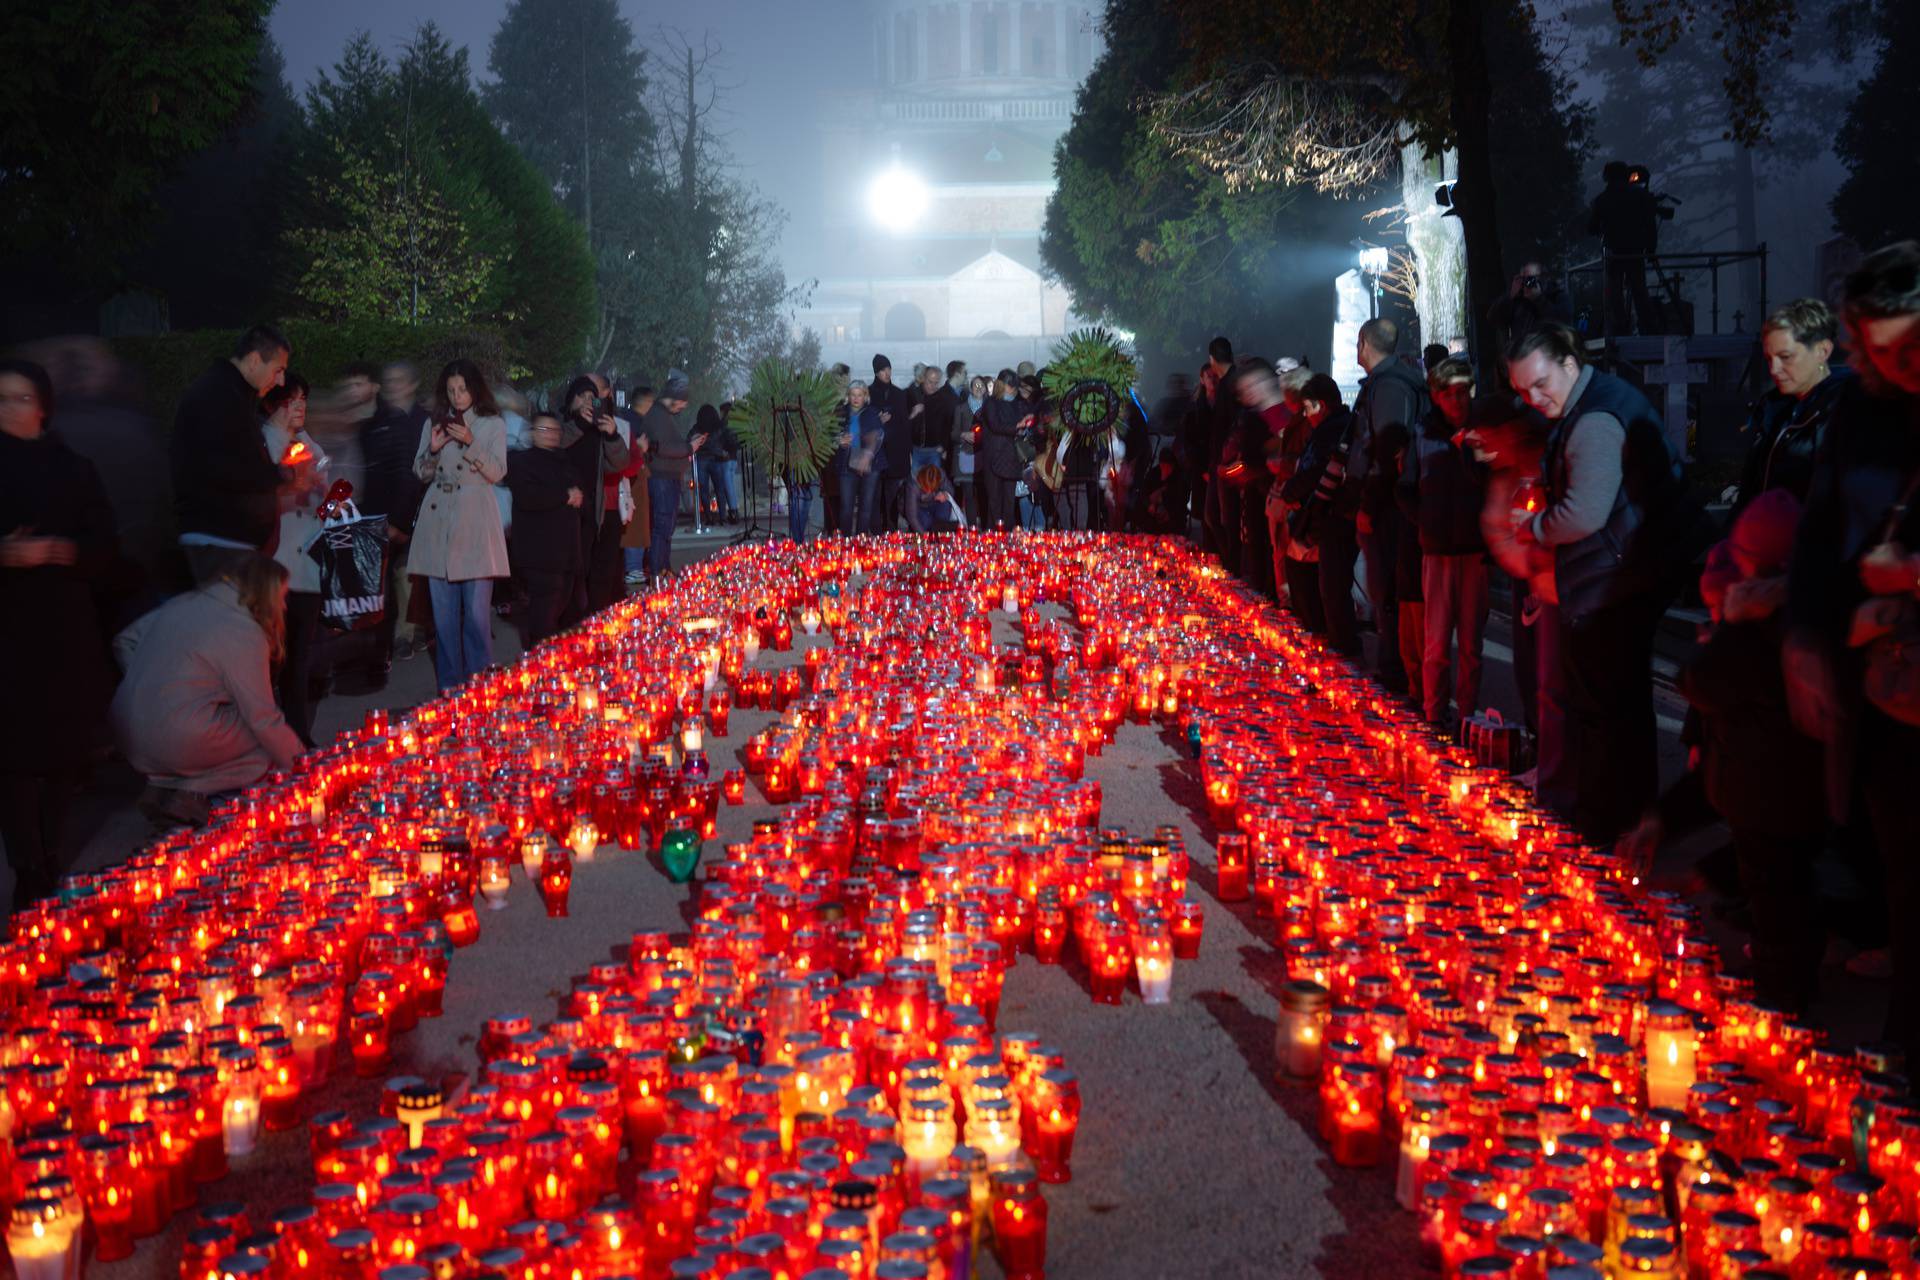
point(1626, 219)
point(1614, 518)
point(226, 488)
point(1390, 404)
point(388, 441)
point(891, 403)
point(934, 429)
point(1441, 492)
point(547, 499)
point(1001, 419)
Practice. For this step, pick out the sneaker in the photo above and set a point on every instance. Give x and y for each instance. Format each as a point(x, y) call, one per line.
point(636, 577)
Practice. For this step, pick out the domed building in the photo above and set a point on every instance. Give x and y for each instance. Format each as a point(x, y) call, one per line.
point(936, 166)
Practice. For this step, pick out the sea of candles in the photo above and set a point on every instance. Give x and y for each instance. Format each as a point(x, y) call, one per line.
point(1545, 1052)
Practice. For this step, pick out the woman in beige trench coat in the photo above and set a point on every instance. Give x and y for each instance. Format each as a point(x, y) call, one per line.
point(458, 545)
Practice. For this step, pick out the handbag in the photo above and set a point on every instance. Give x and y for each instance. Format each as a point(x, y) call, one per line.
point(1893, 658)
point(351, 550)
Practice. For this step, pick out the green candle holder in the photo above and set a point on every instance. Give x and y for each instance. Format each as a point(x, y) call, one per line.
point(680, 852)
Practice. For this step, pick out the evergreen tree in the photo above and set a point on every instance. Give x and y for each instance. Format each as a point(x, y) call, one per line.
point(412, 206)
point(101, 102)
point(1155, 244)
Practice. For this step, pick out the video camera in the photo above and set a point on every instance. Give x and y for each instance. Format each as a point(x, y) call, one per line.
point(1663, 205)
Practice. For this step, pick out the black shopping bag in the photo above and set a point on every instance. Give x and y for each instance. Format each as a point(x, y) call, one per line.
point(351, 550)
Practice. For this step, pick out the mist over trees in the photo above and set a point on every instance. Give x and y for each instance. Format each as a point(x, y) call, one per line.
point(628, 137)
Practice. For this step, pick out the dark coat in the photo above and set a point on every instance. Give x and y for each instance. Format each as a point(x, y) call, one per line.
point(1317, 514)
point(1761, 773)
point(1392, 400)
point(59, 677)
point(934, 429)
point(1000, 428)
point(1626, 219)
point(1442, 490)
point(1784, 438)
point(546, 531)
point(1872, 450)
point(892, 401)
point(388, 442)
point(224, 484)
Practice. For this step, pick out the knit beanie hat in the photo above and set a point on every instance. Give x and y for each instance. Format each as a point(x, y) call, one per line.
point(677, 386)
point(881, 362)
point(1764, 532)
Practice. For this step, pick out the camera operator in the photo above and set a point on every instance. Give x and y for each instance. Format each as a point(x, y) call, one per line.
point(1533, 298)
point(1626, 218)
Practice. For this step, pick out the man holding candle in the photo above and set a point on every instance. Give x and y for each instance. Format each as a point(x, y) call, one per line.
point(1613, 519)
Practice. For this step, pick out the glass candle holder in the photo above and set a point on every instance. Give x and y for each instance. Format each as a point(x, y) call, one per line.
point(43, 1239)
point(1055, 1111)
point(1301, 1030)
point(1019, 1224)
point(680, 850)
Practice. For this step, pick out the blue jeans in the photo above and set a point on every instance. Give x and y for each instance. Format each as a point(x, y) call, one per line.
point(856, 500)
point(462, 628)
point(730, 482)
point(663, 497)
point(799, 510)
point(924, 456)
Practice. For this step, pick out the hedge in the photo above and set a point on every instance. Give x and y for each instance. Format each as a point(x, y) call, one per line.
point(321, 353)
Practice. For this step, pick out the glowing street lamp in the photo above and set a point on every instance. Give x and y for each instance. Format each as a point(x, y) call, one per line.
point(897, 199)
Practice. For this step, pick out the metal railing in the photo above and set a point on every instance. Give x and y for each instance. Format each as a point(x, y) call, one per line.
point(1667, 274)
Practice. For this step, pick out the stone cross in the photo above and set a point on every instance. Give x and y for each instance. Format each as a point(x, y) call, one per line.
point(1676, 372)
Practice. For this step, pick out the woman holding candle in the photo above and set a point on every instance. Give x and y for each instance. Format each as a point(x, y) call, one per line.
point(459, 545)
point(1325, 507)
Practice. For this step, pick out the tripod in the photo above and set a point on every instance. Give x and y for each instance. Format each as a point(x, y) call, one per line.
point(780, 461)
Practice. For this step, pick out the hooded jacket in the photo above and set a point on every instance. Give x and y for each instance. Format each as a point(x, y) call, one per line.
point(1392, 400)
point(1442, 490)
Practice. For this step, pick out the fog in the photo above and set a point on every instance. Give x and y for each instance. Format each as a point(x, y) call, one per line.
point(777, 56)
point(782, 58)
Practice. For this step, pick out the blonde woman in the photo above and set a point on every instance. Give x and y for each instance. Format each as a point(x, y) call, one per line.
point(459, 546)
point(195, 712)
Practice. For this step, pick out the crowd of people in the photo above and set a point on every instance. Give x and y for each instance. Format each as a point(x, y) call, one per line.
point(1404, 513)
point(1804, 688)
point(162, 595)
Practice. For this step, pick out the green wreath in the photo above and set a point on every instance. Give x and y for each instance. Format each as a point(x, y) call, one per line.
point(1089, 373)
point(787, 419)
